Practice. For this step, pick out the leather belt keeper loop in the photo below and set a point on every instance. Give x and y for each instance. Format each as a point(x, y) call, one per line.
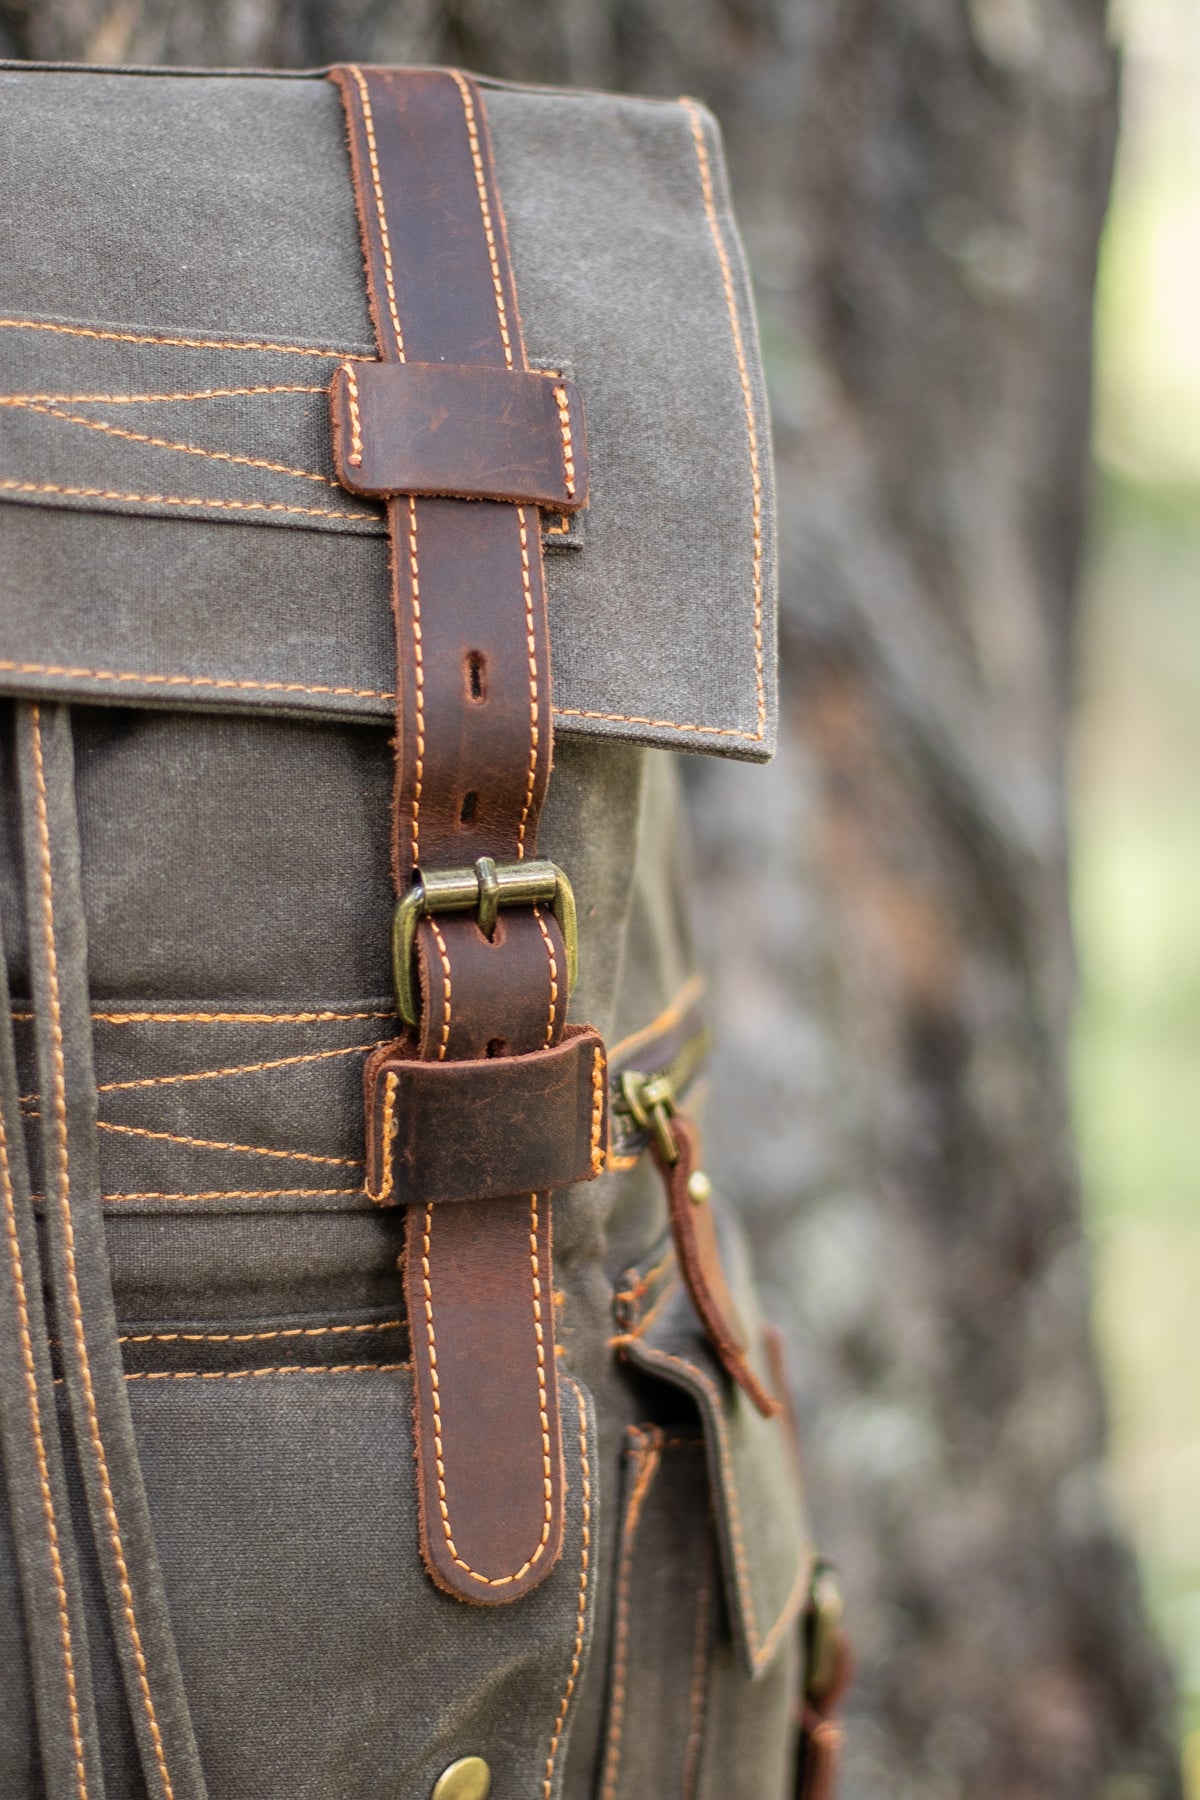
point(471, 434)
point(488, 1128)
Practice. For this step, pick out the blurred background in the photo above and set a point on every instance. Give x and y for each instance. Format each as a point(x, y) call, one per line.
point(959, 1022)
point(1136, 784)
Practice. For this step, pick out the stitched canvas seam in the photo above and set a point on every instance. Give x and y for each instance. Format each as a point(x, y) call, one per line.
point(29, 1376)
point(158, 443)
point(66, 672)
point(178, 343)
point(300, 687)
point(581, 1609)
point(178, 397)
point(648, 1464)
point(227, 1074)
point(10, 485)
point(68, 1228)
point(195, 1143)
point(697, 1694)
point(228, 1018)
point(236, 1194)
point(258, 1374)
point(739, 350)
point(644, 1323)
point(671, 1014)
point(256, 1337)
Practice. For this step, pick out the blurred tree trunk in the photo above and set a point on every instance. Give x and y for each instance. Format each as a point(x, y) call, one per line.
point(921, 185)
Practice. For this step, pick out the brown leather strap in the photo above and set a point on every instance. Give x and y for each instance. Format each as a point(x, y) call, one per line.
point(694, 1230)
point(471, 643)
point(473, 743)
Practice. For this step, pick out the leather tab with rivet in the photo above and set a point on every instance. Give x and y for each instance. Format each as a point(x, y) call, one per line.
point(452, 409)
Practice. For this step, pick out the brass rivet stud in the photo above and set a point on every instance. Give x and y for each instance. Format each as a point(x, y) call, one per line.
point(699, 1188)
point(469, 1778)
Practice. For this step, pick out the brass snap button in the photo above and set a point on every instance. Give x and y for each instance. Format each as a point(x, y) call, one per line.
point(467, 1779)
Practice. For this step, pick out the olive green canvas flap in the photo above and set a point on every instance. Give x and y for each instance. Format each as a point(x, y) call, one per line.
point(180, 275)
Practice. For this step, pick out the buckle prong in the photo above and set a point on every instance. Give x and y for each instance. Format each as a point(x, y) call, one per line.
point(485, 888)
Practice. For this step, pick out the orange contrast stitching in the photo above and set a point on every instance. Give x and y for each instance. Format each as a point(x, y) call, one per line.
point(564, 420)
point(531, 643)
point(257, 1374)
point(697, 1693)
point(581, 1611)
point(68, 1229)
point(153, 337)
point(157, 443)
point(547, 1464)
point(485, 212)
point(356, 443)
point(739, 350)
point(222, 1018)
point(196, 681)
point(597, 1110)
point(29, 1372)
point(11, 486)
point(384, 240)
point(559, 530)
point(671, 1015)
point(233, 393)
point(255, 1337)
point(300, 687)
point(583, 712)
point(418, 676)
point(643, 1325)
point(761, 1650)
point(235, 1194)
point(195, 1143)
point(647, 1469)
point(648, 1279)
point(447, 992)
point(553, 974)
point(389, 1135)
point(278, 1062)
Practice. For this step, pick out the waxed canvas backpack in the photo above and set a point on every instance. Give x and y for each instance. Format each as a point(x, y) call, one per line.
point(385, 1407)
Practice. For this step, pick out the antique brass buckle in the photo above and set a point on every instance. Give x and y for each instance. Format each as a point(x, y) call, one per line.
point(483, 888)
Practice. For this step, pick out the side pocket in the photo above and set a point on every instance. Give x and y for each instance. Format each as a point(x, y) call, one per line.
point(715, 1564)
point(319, 1659)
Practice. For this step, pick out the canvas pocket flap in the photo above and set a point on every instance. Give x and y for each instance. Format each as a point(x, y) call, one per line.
point(171, 529)
point(758, 1502)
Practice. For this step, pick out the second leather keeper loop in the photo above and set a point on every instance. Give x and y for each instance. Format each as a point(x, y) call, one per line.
point(486, 1128)
point(467, 433)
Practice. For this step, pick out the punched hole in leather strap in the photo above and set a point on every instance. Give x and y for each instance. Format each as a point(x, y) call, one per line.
point(484, 1106)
